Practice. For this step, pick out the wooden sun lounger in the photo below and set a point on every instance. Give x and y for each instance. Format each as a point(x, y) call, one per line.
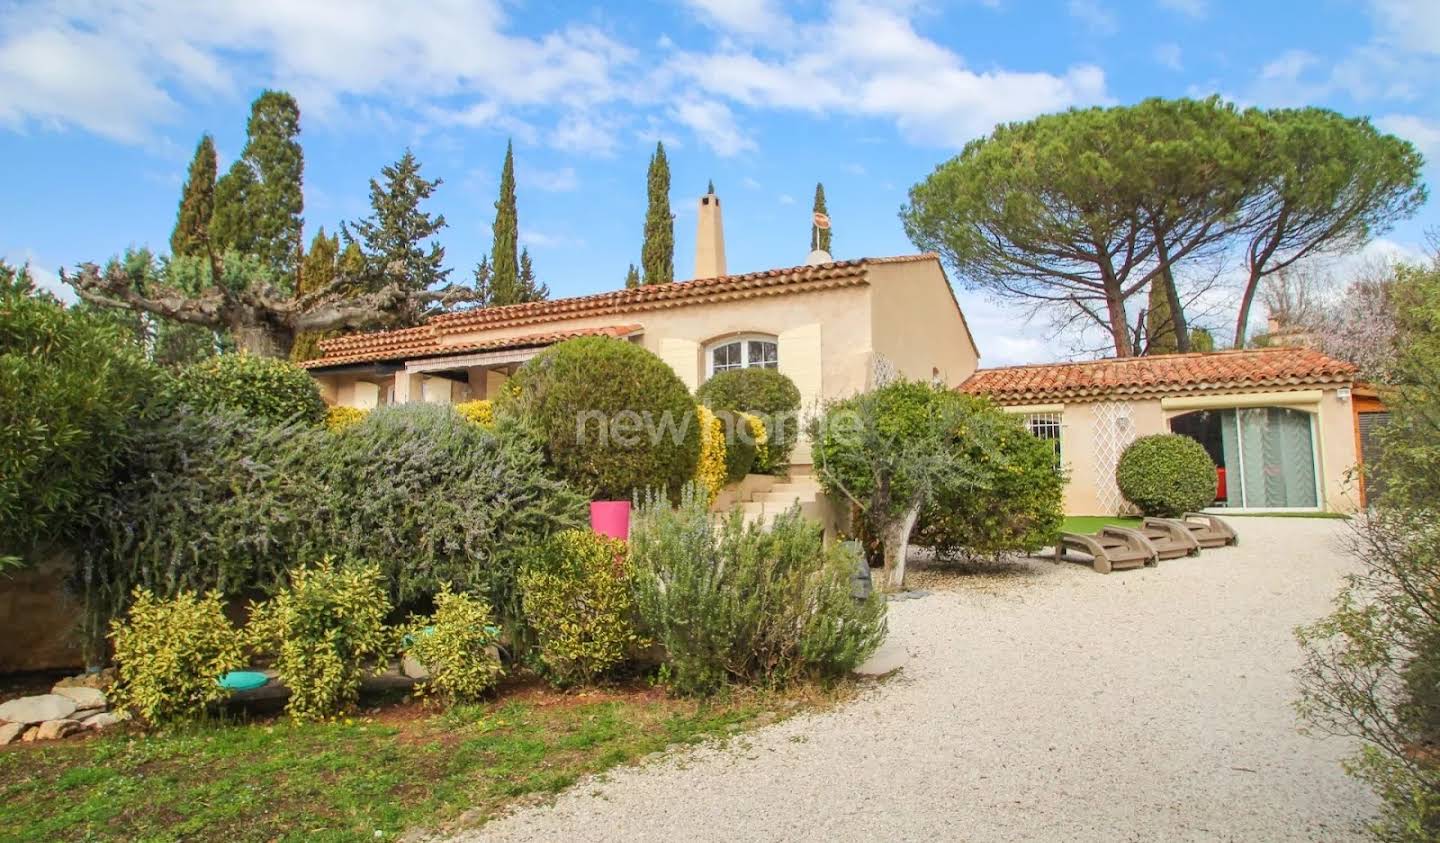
point(1171, 538)
point(1111, 549)
point(1208, 530)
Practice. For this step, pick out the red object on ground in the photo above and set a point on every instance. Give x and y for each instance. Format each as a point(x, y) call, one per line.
point(611, 518)
point(1220, 494)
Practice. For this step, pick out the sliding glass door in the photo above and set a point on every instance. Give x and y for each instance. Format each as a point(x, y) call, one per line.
point(1266, 455)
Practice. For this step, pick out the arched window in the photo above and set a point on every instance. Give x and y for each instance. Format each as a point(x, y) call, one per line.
point(742, 352)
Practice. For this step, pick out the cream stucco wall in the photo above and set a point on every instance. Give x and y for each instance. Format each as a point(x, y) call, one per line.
point(916, 324)
point(1081, 446)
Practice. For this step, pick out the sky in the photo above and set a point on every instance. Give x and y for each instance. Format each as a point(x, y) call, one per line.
point(103, 101)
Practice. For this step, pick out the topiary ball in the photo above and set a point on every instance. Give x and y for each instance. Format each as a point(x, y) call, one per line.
point(764, 393)
point(615, 419)
point(262, 388)
point(1166, 475)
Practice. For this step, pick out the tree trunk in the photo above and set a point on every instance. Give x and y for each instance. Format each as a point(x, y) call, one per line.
point(1172, 297)
point(1119, 324)
point(896, 535)
point(261, 341)
point(1242, 321)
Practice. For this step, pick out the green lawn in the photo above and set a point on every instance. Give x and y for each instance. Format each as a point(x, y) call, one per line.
point(1092, 523)
point(359, 779)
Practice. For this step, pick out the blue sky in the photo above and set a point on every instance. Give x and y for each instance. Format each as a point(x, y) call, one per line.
point(102, 101)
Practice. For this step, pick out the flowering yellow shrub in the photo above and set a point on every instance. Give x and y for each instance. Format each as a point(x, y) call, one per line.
point(339, 418)
point(761, 437)
point(481, 412)
point(710, 471)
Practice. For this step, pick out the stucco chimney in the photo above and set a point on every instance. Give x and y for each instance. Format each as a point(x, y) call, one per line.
point(709, 237)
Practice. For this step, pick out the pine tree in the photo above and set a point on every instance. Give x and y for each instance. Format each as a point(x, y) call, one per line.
point(1159, 327)
point(191, 237)
point(657, 255)
point(528, 288)
point(484, 290)
point(258, 203)
point(632, 277)
point(393, 236)
point(820, 237)
point(317, 271)
point(505, 245)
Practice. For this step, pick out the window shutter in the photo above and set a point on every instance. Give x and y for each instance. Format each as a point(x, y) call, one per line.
point(801, 362)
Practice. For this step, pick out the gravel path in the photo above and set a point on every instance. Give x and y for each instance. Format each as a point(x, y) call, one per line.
point(1143, 705)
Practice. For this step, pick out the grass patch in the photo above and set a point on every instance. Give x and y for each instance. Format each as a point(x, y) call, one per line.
point(1093, 523)
point(355, 779)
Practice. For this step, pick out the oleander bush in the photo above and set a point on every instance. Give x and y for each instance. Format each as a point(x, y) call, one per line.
point(74, 392)
point(737, 603)
point(615, 419)
point(340, 418)
point(171, 654)
point(1015, 505)
point(767, 394)
point(326, 630)
point(458, 646)
point(262, 388)
point(1166, 475)
point(576, 591)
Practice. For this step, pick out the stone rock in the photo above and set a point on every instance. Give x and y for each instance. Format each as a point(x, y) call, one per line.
point(37, 709)
point(55, 729)
point(104, 719)
point(11, 732)
point(30, 734)
point(414, 669)
point(101, 680)
point(85, 698)
point(889, 658)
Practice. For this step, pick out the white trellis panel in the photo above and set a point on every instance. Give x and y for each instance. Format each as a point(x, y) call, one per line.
point(1114, 430)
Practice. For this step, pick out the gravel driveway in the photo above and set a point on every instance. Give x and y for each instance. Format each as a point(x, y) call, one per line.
point(1060, 705)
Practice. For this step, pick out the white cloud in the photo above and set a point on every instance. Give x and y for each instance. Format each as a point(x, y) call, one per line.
point(1190, 8)
point(748, 17)
point(581, 132)
point(551, 181)
point(1098, 19)
point(785, 199)
point(750, 183)
point(854, 169)
point(869, 60)
point(544, 240)
point(713, 124)
point(1413, 24)
point(45, 278)
point(1168, 56)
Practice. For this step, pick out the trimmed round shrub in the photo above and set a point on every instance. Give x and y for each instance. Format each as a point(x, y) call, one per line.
point(615, 419)
point(262, 388)
point(743, 433)
point(577, 598)
point(764, 393)
point(457, 645)
point(172, 653)
point(1166, 475)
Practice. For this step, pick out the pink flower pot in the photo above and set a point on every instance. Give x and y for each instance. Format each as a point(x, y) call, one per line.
point(611, 518)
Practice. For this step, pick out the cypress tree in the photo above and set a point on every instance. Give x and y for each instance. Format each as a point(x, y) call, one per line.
point(657, 255)
point(258, 203)
point(1159, 326)
point(484, 290)
point(317, 271)
point(191, 237)
point(632, 277)
point(529, 289)
point(395, 231)
point(820, 237)
point(505, 246)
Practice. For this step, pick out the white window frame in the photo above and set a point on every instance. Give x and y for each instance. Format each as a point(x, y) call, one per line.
point(744, 340)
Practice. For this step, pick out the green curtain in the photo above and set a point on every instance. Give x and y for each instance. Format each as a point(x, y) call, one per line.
point(1278, 458)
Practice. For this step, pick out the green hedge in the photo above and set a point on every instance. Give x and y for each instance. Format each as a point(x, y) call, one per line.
point(260, 387)
point(1166, 475)
point(615, 419)
point(766, 394)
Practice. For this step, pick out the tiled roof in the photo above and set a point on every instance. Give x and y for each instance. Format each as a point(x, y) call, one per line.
point(425, 339)
point(1165, 374)
point(424, 342)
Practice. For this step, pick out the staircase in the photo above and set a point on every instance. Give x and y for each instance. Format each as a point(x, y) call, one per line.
point(761, 498)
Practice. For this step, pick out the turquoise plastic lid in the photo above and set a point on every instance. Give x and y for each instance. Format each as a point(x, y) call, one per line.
point(243, 680)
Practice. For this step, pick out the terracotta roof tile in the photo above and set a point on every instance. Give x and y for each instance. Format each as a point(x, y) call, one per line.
point(426, 339)
point(1166, 374)
point(429, 345)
